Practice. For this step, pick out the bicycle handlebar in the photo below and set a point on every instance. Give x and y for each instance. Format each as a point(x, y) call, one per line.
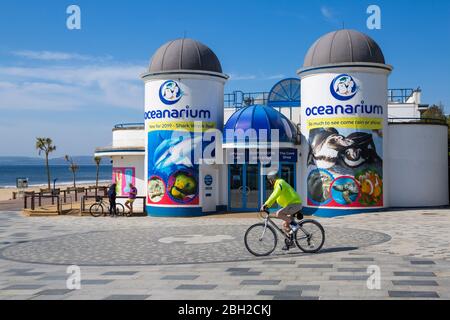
point(266, 211)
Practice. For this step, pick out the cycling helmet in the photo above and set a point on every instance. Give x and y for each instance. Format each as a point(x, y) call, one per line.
point(272, 175)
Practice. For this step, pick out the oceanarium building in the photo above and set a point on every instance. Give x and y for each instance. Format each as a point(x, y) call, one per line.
point(346, 142)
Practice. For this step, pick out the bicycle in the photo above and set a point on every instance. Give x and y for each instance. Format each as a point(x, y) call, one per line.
point(261, 239)
point(98, 208)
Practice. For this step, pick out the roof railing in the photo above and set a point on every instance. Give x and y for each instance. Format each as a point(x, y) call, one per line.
point(129, 125)
point(400, 95)
point(401, 120)
point(239, 99)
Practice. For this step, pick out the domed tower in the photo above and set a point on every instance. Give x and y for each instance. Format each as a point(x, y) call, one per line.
point(184, 89)
point(344, 123)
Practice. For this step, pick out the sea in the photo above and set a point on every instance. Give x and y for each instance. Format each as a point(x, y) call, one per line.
point(37, 174)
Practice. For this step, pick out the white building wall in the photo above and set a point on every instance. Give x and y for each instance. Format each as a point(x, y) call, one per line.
point(128, 138)
point(403, 110)
point(418, 165)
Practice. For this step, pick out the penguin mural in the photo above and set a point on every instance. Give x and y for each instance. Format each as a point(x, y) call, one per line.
point(344, 122)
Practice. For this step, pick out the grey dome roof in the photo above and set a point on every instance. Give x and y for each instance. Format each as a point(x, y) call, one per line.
point(343, 46)
point(184, 54)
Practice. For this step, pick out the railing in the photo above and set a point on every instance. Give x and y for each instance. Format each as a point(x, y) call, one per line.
point(32, 196)
point(400, 95)
point(84, 198)
point(418, 120)
point(238, 99)
point(129, 125)
point(34, 199)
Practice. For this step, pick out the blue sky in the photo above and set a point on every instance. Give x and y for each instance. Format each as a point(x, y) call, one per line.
point(74, 86)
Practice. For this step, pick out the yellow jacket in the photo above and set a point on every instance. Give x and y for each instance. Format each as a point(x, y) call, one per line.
point(283, 194)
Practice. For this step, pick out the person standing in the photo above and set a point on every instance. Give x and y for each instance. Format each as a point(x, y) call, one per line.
point(131, 198)
point(112, 194)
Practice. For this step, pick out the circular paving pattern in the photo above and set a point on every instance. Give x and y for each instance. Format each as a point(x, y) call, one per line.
point(171, 245)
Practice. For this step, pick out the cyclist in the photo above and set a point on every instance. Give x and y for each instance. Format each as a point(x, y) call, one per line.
point(289, 201)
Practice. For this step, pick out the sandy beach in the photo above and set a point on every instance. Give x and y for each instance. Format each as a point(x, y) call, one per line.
point(7, 193)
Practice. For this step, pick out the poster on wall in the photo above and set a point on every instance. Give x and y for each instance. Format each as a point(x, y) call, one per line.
point(345, 158)
point(173, 175)
point(123, 177)
point(176, 118)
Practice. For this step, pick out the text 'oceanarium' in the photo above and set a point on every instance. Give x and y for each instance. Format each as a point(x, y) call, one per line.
point(347, 109)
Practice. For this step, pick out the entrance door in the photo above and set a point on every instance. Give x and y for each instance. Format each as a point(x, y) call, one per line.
point(244, 187)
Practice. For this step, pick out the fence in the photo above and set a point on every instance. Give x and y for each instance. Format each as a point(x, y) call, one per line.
point(32, 199)
point(84, 198)
point(401, 120)
point(33, 195)
point(399, 95)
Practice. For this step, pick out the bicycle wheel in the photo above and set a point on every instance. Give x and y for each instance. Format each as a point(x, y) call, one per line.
point(120, 209)
point(96, 210)
point(260, 241)
point(310, 237)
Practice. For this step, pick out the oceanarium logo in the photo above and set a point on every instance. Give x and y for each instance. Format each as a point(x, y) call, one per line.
point(170, 92)
point(343, 87)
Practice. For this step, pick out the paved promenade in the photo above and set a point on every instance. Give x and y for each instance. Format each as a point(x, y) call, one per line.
point(205, 258)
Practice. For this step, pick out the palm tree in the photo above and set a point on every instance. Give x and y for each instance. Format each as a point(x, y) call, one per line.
point(97, 161)
point(45, 145)
point(72, 167)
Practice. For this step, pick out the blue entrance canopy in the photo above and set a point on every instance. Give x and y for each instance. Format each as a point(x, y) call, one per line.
point(260, 117)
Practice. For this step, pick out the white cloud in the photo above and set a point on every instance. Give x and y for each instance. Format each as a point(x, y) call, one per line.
point(327, 12)
point(63, 83)
point(276, 77)
point(69, 87)
point(56, 56)
point(236, 77)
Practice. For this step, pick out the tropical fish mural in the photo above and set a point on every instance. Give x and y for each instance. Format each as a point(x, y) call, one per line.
point(371, 187)
point(172, 168)
point(184, 187)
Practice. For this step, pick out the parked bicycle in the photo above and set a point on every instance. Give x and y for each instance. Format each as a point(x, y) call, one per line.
point(101, 208)
point(261, 238)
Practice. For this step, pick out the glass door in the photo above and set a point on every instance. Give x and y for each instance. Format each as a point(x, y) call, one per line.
point(252, 187)
point(244, 187)
point(236, 183)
